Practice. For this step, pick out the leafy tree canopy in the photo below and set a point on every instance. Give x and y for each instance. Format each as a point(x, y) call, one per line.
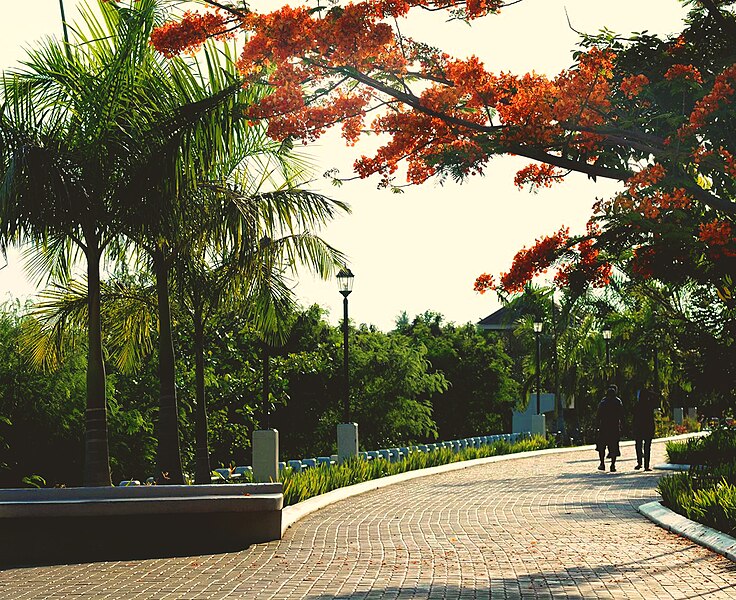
point(654, 112)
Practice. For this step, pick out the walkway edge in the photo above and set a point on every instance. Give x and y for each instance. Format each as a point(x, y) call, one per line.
point(294, 512)
point(696, 532)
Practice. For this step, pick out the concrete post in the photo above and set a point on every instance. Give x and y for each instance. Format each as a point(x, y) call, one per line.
point(539, 425)
point(347, 441)
point(265, 455)
point(677, 414)
point(692, 413)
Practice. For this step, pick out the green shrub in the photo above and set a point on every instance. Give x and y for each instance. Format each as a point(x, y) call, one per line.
point(680, 452)
point(706, 497)
point(299, 486)
point(718, 447)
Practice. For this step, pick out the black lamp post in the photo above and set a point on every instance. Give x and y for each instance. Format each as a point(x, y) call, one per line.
point(607, 337)
point(266, 386)
point(345, 284)
point(537, 331)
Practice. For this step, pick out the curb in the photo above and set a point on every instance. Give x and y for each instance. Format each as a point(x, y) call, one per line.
point(703, 535)
point(672, 467)
point(294, 512)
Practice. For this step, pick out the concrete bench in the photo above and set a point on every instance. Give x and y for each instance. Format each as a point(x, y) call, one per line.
point(106, 523)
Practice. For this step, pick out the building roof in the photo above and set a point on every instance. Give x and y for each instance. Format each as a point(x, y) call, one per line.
point(501, 320)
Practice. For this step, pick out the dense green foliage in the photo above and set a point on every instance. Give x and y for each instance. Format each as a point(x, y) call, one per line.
point(42, 425)
point(707, 502)
point(397, 394)
point(481, 392)
point(716, 448)
point(424, 380)
point(707, 492)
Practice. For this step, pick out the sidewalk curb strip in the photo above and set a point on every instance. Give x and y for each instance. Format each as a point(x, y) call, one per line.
point(672, 467)
point(700, 534)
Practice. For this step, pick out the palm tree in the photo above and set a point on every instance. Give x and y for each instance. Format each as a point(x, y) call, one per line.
point(180, 223)
point(242, 267)
point(80, 128)
point(65, 128)
point(189, 122)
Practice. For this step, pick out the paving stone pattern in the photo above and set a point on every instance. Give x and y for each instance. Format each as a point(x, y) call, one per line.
point(548, 526)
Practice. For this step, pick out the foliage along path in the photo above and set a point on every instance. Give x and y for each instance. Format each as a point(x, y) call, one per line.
point(543, 526)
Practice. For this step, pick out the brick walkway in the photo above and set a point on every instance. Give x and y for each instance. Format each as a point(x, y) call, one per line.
point(548, 526)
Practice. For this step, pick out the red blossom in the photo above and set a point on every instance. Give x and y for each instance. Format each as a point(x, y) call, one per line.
point(685, 72)
point(188, 34)
point(533, 261)
point(719, 237)
point(642, 262)
point(538, 176)
point(484, 283)
point(633, 86)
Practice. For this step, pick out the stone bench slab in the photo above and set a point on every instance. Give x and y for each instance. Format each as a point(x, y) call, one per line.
point(91, 524)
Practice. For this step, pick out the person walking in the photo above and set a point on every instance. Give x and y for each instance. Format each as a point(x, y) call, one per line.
point(609, 416)
point(643, 427)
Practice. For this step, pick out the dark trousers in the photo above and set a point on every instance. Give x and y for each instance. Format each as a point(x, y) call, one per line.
point(643, 451)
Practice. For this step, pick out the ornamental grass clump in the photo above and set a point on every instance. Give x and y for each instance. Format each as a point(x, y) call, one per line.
point(716, 448)
point(299, 486)
point(706, 497)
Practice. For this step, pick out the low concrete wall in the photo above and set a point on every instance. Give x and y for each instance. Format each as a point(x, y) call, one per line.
point(90, 524)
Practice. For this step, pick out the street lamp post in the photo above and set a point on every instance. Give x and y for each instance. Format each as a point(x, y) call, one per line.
point(537, 331)
point(607, 337)
point(266, 386)
point(345, 284)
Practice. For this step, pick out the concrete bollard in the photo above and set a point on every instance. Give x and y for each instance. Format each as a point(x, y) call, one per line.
point(539, 425)
point(347, 441)
point(265, 455)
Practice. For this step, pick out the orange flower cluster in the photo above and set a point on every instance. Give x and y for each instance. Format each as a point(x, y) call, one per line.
point(647, 196)
point(677, 45)
point(538, 176)
point(685, 72)
point(719, 237)
point(531, 109)
point(729, 162)
point(645, 179)
point(313, 55)
point(720, 159)
point(189, 34)
point(719, 95)
point(484, 283)
point(587, 267)
point(533, 261)
point(633, 86)
point(473, 9)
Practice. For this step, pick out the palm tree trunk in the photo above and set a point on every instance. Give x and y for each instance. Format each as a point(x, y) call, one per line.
point(96, 450)
point(203, 470)
point(168, 456)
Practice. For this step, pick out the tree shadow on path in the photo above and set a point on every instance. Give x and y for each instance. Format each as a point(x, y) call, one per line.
point(576, 583)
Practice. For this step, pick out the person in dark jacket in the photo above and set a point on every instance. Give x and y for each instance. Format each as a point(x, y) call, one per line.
point(643, 427)
point(609, 417)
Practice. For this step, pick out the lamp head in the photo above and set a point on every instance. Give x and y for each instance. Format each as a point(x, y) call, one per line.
point(537, 327)
point(345, 281)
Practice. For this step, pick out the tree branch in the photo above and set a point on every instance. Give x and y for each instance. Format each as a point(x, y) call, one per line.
point(718, 16)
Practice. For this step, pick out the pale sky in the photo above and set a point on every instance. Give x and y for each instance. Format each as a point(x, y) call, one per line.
point(422, 250)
